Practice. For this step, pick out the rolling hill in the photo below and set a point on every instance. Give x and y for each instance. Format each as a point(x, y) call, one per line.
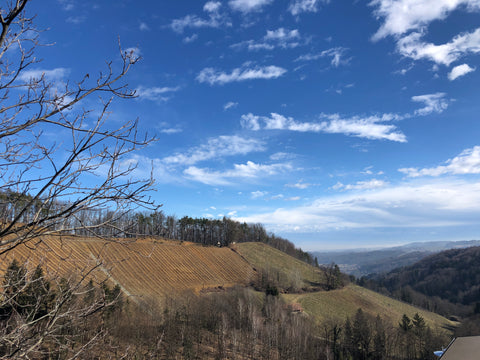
point(153, 269)
point(361, 262)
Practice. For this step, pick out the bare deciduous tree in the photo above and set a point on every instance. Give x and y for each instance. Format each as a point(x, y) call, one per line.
point(49, 188)
point(46, 187)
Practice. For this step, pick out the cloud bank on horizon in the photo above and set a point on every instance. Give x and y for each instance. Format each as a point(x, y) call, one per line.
point(320, 119)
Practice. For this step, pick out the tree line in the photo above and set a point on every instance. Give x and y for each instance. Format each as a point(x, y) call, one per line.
point(101, 222)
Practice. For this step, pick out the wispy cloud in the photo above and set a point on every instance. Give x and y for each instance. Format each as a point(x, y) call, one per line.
point(57, 74)
point(467, 162)
point(246, 6)
point(301, 185)
point(414, 47)
point(190, 39)
point(257, 194)
point(215, 148)
point(401, 16)
point(230, 105)
point(215, 19)
point(411, 204)
point(372, 127)
point(336, 54)
point(279, 38)
point(434, 103)
point(143, 26)
point(67, 5)
point(297, 7)
point(155, 93)
point(459, 70)
point(213, 76)
point(250, 170)
point(361, 185)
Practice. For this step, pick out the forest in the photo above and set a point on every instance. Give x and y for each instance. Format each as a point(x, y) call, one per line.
point(239, 323)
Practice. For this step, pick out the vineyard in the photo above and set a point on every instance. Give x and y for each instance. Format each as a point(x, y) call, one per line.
point(144, 269)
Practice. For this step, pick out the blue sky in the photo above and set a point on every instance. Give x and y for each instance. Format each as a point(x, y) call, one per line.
point(334, 123)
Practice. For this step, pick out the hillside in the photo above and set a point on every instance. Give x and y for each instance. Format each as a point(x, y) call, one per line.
point(338, 304)
point(143, 269)
point(450, 277)
point(361, 262)
point(152, 269)
point(335, 304)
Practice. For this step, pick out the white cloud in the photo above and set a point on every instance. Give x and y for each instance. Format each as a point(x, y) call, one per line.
point(372, 127)
point(336, 54)
point(189, 39)
point(280, 37)
point(57, 74)
point(67, 5)
point(401, 16)
point(169, 131)
point(215, 148)
point(467, 162)
point(230, 105)
point(301, 6)
point(257, 194)
point(459, 70)
point(76, 19)
point(250, 170)
point(300, 185)
point(282, 156)
point(413, 47)
point(361, 185)
point(212, 6)
point(144, 27)
point(155, 93)
point(248, 5)
point(410, 204)
point(433, 103)
point(133, 53)
point(293, 198)
point(215, 19)
point(213, 76)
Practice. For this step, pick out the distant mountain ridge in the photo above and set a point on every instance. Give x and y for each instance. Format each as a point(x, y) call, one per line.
point(447, 282)
point(362, 262)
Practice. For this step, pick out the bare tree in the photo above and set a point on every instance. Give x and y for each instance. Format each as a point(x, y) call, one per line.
point(53, 188)
point(47, 187)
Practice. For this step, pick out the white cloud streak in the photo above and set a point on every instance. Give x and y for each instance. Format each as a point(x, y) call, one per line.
point(336, 54)
point(214, 77)
point(467, 162)
point(57, 74)
point(250, 170)
point(246, 6)
point(230, 105)
point(459, 71)
point(215, 19)
point(155, 93)
point(434, 103)
point(410, 204)
point(401, 16)
point(372, 127)
point(215, 148)
point(302, 6)
point(361, 185)
point(279, 38)
point(413, 47)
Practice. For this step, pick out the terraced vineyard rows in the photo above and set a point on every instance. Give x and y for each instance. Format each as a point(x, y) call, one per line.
point(147, 268)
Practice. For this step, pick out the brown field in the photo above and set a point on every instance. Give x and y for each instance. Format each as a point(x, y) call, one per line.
point(149, 269)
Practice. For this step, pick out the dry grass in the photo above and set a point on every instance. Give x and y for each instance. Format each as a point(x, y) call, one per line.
point(343, 303)
point(264, 257)
point(147, 268)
